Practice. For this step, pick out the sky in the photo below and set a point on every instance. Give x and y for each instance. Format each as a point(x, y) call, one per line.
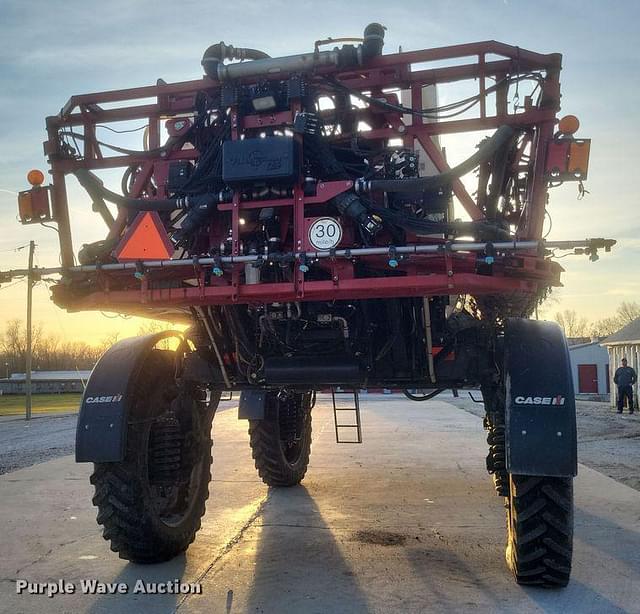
point(50, 50)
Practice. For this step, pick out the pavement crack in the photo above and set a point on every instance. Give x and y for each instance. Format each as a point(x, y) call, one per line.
point(46, 554)
point(36, 561)
point(228, 547)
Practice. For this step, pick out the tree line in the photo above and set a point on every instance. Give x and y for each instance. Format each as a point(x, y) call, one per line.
point(575, 325)
point(50, 352)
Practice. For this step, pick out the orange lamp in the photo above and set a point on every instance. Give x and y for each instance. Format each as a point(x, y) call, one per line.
point(35, 177)
point(569, 124)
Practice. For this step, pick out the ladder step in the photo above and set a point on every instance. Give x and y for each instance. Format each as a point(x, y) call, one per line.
point(356, 411)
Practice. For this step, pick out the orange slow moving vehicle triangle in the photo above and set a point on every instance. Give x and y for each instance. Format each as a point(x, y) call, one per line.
point(145, 240)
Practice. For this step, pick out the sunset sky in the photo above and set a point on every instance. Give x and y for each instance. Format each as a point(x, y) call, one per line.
point(50, 50)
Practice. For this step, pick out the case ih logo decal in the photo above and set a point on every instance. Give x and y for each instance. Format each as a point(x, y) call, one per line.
point(112, 399)
point(557, 400)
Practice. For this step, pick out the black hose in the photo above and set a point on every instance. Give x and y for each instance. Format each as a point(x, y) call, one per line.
point(422, 227)
point(425, 397)
point(486, 150)
point(96, 190)
point(216, 54)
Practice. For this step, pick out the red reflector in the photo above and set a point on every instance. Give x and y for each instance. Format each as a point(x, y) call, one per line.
point(146, 239)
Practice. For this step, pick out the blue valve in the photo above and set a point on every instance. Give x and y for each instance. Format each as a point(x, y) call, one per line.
point(304, 268)
point(393, 263)
point(217, 271)
point(489, 260)
point(138, 275)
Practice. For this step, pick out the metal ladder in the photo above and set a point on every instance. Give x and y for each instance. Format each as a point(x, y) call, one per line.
point(355, 409)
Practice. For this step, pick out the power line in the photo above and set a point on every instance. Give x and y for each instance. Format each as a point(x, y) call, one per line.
point(15, 283)
point(15, 249)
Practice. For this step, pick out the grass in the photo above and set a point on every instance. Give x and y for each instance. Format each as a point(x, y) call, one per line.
point(14, 404)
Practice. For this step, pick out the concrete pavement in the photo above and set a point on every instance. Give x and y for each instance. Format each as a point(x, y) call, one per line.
point(406, 522)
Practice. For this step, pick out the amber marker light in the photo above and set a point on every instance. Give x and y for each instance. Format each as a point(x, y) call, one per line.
point(35, 177)
point(569, 124)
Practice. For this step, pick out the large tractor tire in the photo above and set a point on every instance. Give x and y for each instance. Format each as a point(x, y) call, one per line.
point(151, 503)
point(532, 424)
point(281, 442)
point(540, 530)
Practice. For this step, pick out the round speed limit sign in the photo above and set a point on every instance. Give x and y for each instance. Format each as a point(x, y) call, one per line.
point(325, 233)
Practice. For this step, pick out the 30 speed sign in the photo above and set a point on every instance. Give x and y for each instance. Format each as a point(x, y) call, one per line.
point(325, 233)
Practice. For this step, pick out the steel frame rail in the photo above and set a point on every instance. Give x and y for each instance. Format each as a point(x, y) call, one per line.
point(492, 60)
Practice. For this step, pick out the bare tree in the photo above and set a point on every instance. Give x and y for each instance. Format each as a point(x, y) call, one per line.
point(109, 340)
point(626, 313)
point(155, 326)
point(572, 324)
point(49, 353)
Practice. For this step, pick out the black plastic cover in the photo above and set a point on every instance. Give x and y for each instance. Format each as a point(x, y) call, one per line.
point(540, 404)
point(102, 424)
point(252, 405)
point(314, 370)
point(272, 159)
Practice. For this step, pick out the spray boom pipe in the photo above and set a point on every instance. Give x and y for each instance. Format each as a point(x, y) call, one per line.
point(590, 246)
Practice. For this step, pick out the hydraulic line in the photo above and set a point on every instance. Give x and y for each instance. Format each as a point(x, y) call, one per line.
point(95, 189)
point(429, 339)
point(426, 397)
point(212, 338)
point(422, 227)
point(454, 109)
point(486, 150)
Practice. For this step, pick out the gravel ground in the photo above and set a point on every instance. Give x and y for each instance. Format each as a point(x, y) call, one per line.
point(607, 442)
point(44, 438)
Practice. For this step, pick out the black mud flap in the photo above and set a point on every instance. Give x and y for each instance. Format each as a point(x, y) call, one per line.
point(540, 402)
point(102, 424)
point(252, 405)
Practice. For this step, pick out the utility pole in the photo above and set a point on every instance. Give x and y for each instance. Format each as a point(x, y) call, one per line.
point(32, 247)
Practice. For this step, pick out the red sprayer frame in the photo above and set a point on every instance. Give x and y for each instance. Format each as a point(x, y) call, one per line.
point(159, 287)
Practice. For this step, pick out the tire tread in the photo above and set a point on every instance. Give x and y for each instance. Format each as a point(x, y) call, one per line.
point(540, 526)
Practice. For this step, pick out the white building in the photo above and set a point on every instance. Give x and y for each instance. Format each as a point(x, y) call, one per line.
point(590, 369)
point(624, 344)
point(46, 382)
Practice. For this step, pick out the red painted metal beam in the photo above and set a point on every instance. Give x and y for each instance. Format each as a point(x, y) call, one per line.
point(135, 93)
point(68, 166)
point(524, 56)
point(386, 287)
point(384, 71)
point(527, 59)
